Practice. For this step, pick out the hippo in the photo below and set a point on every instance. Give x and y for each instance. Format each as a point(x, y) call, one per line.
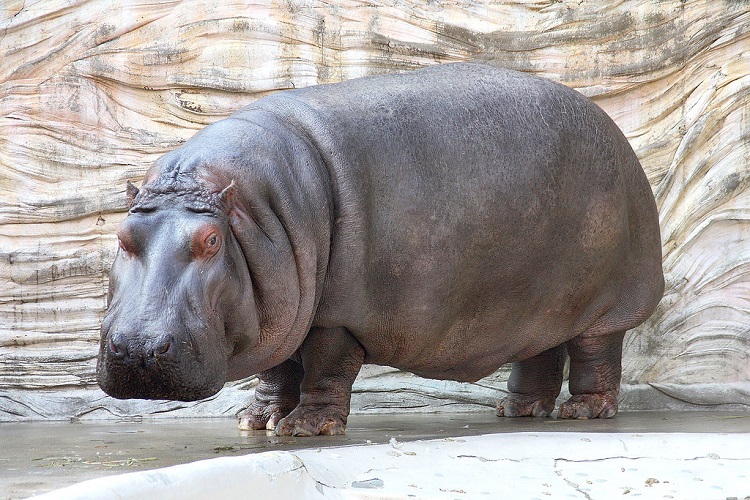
point(444, 221)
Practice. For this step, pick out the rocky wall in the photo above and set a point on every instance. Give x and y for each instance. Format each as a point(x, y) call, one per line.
point(91, 92)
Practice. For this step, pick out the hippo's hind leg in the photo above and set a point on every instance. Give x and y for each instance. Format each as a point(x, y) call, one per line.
point(534, 385)
point(595, 370)
point(275, 397)
point(331, 358)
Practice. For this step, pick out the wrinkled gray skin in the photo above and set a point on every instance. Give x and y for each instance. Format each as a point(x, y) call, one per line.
point(444, 222)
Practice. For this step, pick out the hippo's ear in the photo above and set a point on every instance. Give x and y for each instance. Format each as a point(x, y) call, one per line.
point(227, 196)
point(132, 192)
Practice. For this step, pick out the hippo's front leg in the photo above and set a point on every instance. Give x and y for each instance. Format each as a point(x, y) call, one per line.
point(275, 397)
point(331, 359)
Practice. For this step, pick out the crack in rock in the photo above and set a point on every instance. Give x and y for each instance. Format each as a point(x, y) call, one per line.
point(319, 485)
point(573, 485)
point(484, 459)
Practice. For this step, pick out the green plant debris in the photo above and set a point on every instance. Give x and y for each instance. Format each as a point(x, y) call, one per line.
point(58, 461)
point(237, 448)
point(128, 462)
point(68, 461)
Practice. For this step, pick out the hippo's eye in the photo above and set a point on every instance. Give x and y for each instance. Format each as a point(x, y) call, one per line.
point(206, 242)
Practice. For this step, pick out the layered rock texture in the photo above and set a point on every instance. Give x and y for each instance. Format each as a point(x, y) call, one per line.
point(91, 92)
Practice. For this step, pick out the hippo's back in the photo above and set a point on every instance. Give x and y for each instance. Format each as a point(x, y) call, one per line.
point(482, 216)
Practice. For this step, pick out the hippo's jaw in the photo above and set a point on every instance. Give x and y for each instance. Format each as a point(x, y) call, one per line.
point(123, 382)
point(156, 367)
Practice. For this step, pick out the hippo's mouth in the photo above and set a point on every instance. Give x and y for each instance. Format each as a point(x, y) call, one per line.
point(134, 386)
point(127, 384)
point(155, 378)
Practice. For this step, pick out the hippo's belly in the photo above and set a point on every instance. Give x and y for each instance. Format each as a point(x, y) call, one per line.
point(466, 331)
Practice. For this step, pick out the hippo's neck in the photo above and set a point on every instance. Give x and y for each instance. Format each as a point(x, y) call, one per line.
point(282, 218)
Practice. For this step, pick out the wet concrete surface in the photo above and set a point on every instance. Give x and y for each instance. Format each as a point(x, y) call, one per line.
point(38, 457)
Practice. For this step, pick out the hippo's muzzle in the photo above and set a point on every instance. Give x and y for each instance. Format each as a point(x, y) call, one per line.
point(154, 367)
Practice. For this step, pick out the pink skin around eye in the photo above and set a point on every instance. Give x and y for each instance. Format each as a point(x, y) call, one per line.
point(206, 242)
point(125, 241)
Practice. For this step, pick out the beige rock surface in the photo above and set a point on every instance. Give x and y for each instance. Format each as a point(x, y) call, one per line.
point(91, 92)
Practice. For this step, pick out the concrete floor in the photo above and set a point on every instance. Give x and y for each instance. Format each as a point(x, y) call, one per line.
point(40, 457)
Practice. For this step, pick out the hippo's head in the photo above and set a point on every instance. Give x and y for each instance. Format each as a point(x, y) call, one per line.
point(180, 297)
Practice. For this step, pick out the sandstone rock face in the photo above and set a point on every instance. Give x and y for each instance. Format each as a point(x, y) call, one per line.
point(91, 92)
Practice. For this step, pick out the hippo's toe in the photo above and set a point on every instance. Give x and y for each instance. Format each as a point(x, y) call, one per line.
point(522, 405)
point(585, 406)
point(261, 417)
point(312, 421)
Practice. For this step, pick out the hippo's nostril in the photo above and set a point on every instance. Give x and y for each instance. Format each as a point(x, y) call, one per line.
point(116, 348)
point(163, 347)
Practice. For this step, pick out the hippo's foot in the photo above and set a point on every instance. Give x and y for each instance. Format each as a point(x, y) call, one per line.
point(595, 370)
point(260, 416)
point(584, 406)
point(275, 397)
point(533, 385)
point(522, 405)
point(312, 421)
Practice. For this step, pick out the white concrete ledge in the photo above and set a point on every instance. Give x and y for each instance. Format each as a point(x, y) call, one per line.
point(517, 465)
point(264, 475)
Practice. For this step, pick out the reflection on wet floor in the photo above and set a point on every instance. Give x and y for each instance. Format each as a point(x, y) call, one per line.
point(41, 456)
